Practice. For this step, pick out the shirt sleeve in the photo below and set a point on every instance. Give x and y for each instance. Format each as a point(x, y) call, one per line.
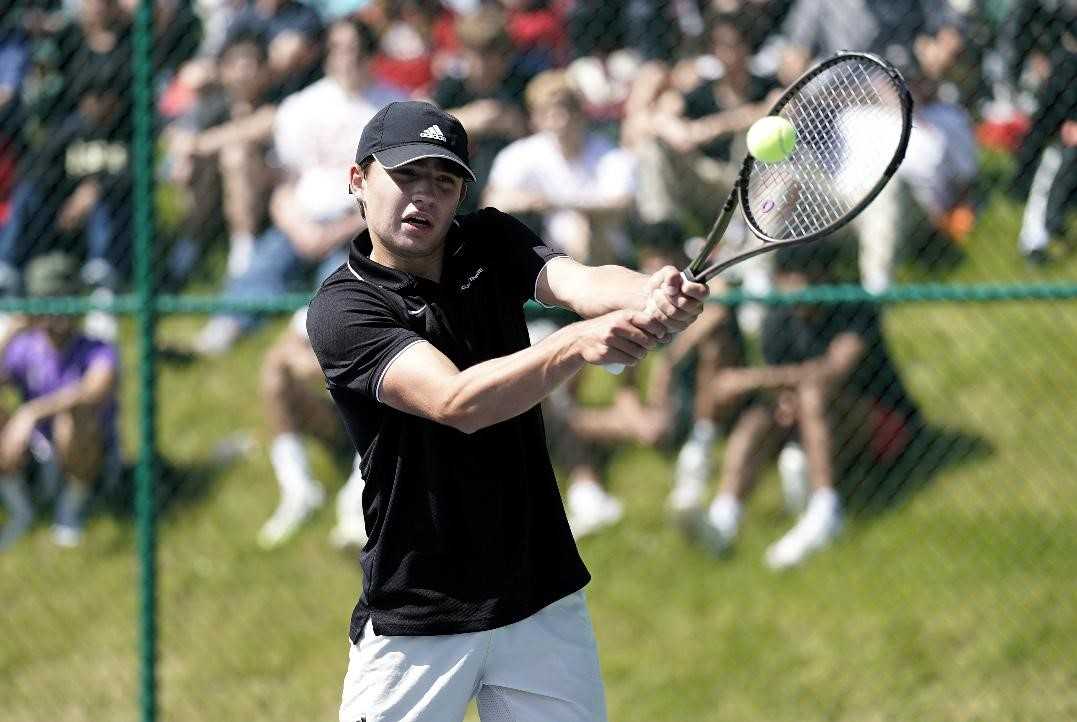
point(103, 353)
point(356, 339)
point(518, 253)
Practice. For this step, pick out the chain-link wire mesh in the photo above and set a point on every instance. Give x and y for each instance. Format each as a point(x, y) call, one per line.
point(845, 493)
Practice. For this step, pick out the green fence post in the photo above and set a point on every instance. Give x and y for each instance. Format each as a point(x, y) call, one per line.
point(147, 319)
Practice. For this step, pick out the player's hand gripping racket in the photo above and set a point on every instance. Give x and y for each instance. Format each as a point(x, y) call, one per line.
point(852, 115)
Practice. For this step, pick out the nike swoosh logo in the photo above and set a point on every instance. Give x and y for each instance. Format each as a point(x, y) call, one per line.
point(416, 313)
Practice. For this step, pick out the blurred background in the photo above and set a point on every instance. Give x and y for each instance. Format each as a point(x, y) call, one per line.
point(846, 494)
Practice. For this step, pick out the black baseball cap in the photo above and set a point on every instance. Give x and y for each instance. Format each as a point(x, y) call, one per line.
point(410, 130)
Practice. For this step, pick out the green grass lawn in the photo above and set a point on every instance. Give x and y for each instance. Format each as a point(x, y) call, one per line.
point(955, 604)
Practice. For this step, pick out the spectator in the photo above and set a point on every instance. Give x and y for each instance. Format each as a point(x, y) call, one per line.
point(690, 146)
point(828, 382)
point(67, 410)
point(96, 46)
point(644, 409)
point(1047, 160)
point(80, 180)
point(311, 216)
point(293, 37)
point(900, 30)
point(219, 156)
point(930, 193)
point(406, 43)
point(296, 405)
point(580, 183)
point(485, 91)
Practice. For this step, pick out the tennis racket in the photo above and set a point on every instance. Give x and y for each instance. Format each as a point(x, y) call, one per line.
point(853, 114)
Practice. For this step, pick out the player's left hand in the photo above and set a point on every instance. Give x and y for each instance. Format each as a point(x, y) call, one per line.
point(673, 301)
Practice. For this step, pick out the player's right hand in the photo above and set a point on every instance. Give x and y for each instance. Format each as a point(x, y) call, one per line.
point(614, 338)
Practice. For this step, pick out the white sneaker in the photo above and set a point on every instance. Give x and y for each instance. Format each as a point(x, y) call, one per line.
point(819, 525)
point(66, 535)
point(590, 509)
point(718, 527)
point(217, 336)
point(349, 533)
point(293, 510)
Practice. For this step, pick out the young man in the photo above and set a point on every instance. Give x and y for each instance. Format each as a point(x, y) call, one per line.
point(472, 582)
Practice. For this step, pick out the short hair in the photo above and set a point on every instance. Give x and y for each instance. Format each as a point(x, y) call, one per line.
point(244, 35)
point(368, 39)
point(552, 87)
point(484, 32)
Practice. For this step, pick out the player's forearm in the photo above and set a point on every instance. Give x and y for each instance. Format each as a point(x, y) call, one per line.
point(591, 291)
point(503, 388)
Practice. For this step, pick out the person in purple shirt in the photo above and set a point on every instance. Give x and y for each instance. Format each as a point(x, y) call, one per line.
point(66, 383)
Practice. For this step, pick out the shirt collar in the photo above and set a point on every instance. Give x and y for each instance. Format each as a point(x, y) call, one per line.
point(365, 269)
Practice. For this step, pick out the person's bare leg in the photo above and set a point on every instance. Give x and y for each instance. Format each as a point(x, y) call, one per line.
point(821, 520)
point(754, 439)
point(290, 406)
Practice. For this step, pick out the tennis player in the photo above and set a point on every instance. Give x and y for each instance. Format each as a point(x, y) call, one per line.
point(472, 584)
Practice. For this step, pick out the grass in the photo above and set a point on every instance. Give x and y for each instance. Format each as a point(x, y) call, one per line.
point(954, 604)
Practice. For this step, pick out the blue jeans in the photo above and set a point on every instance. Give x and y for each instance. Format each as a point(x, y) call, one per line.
point(29, 231)
point(276, 269)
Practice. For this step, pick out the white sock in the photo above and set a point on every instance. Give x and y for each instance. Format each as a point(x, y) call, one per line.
point(724, 513)
point(290, 464)
point(823, 501)
point(703, 432)
point(70, 504)
point(15, 496)
point(240, 251)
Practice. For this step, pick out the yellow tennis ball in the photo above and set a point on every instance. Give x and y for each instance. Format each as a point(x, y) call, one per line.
point(771, 139)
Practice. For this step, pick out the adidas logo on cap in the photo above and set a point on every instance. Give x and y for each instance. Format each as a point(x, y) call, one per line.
point(433, 133)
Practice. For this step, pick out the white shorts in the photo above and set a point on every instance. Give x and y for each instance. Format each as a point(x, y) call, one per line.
point(539, 669)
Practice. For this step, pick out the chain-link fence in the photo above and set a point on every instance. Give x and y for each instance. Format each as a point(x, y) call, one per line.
point(900, 399)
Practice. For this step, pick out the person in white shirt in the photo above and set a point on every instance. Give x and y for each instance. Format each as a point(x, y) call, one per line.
point(311, 212)
point(580, 183)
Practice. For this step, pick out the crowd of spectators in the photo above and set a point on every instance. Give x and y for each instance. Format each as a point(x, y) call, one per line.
point(612, 128)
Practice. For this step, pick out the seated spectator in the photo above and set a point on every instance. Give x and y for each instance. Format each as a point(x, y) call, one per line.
point(312, 216)
point(79, 188)
point(297, 406)
point(406, 43)
point(485, 91)
point(930, 194)
point(829, 383)
point(219, 157)
point(577, 181)
point(691, 145)
point(97, 44)
point(67, 411)
point(643, 411)
point(1047, 158)
point(293, 36)
point(931, 33)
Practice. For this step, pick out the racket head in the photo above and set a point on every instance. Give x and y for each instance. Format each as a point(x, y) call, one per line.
point(853, 117)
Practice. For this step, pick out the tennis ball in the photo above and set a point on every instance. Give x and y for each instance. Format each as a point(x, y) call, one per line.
point(771, 139)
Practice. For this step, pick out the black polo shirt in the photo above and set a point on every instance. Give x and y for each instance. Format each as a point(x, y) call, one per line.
point(467, 532)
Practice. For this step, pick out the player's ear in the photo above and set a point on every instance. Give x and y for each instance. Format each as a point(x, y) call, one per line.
point(355, 179)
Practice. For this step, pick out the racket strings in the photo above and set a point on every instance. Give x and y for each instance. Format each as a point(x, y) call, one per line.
point(849, 122)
